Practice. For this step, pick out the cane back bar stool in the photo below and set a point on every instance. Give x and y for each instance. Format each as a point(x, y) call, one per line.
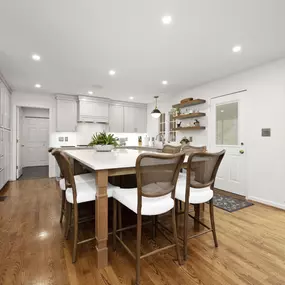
point(189, 149)
point(76, 193)
point(155, 194)
point(196, 187)
point(171, 149)
point(87, 177)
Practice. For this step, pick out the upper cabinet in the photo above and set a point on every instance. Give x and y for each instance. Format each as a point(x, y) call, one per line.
point(5, 104)
point(116, 118)
point(66, 114)
point(94, 110)
point(127, 118)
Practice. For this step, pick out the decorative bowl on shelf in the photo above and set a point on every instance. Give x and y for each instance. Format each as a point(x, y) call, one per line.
point(104, 148)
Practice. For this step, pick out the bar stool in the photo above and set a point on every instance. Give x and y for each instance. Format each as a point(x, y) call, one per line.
point(196, 187)
point(77, 193)
point(88, 177)
point(155, 193)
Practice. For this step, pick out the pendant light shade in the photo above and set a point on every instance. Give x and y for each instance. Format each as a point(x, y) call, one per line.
point(156, 113)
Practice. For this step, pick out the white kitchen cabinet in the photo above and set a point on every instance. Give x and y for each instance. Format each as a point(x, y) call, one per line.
point(141, 119)
point(134, 119)
point(5, 100)
point(116, 118)
point(94, 110)
point(66, 114)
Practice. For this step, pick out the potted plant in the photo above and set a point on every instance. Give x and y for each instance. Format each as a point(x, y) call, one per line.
point(103, 141)
point(184, 141)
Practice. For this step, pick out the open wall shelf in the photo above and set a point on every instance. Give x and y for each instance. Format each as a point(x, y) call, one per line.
point(190, 103)
point(189, 128)
point(187, 116)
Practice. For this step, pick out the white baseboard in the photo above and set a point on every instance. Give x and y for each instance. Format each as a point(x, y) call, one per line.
point(267, 202)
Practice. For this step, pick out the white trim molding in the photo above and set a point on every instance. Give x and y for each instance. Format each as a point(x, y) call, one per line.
point(267, 202)
point(2, 79)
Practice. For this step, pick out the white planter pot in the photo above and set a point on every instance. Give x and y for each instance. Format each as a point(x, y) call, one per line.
point(104, 148)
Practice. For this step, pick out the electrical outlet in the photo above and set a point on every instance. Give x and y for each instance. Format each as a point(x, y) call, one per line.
point(60, 139)
point(66, 139)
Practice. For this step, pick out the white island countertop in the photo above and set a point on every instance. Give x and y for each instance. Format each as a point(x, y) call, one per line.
point(117, 158)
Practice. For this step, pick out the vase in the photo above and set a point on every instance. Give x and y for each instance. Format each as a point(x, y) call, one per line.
point(104, 148)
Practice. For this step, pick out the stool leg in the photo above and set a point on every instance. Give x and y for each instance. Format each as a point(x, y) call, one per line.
point(68, 214)
point(185, 236)
point(154, 223)
point(138, 249)
point(114, 223)
point(62, 205)
point(211, 205)
point(75, 233)
point(175, 235)
point(120, 219)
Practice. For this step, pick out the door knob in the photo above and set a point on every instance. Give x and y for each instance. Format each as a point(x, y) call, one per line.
point(241, 151)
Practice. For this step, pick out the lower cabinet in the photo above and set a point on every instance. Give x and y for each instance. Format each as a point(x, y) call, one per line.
point(4, 157)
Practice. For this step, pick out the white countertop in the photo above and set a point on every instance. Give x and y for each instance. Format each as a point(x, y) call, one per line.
point(117, 158)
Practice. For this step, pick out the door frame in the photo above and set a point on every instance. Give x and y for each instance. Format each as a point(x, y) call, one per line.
point(211, 130)
point(51, 163)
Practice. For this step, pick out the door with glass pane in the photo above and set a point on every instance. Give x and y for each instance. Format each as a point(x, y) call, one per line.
point(227, 129)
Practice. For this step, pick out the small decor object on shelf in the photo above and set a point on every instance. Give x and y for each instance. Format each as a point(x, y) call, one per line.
point(140, 141)
point(186, 100)
point(178, 111)
point(104, 142)
point(196, 123)
point(184, 141)
point(179, 125)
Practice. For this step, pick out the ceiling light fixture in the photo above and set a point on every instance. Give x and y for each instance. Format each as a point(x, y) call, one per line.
point(36, 57)
point(222, 111)
point(236, 49)
point(166, 20)
point(112, 72)
point(38, 85)
point(90, 92)
point(156, 113)
point(164, 82)
point(131, 98)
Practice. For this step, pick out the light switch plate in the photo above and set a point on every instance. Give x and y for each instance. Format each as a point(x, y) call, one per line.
point(60, 139)
point(266, 132)
point(66, 139)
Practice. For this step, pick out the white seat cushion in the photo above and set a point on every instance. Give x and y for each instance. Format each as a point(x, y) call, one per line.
point(197, 195)
point(88, 177)
point(150, 206)
point(86, 191)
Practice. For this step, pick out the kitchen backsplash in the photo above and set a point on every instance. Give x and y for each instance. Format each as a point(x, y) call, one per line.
point(84, 133)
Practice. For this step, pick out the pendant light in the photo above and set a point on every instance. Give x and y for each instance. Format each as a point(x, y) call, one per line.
point(155, 113)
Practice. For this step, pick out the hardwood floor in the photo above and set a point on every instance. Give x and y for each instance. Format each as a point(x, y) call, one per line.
point(34, 252)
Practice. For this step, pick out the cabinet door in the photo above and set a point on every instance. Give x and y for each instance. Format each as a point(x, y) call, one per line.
point(6, 156)
point(66, 116)
point(2, 105)
point(140, 120)
point(116, 119)
point(130, 120)
point(87, 108)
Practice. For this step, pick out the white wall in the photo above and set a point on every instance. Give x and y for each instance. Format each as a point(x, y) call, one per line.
point(36, 112)
point(22, 99)
point(264, 104)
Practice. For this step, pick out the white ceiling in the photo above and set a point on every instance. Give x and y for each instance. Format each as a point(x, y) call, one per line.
point(81, 40)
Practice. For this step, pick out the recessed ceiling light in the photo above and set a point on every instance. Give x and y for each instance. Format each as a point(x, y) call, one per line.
point(166, 20)
point(164, 82)
point(222, 111)
point(236, 49)
point(38, 85)
point(36, 57)
point(131, 98)
point(112, 72)
point(90, 92)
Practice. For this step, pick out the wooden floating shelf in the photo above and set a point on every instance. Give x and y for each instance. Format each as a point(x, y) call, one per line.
point(190, 103)
point(187, 116)
point(189, 128)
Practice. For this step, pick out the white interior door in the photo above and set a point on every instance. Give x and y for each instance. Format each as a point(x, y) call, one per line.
point(36, 140)
point(19, 142)
point(227, 128)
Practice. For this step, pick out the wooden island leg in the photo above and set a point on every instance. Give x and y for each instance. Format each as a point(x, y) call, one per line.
point(101, 218)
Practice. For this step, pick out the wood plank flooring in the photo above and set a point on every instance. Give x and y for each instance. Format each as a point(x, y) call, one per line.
point(34, 252)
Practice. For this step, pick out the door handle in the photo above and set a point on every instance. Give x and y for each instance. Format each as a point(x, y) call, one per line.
point(241, 151)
